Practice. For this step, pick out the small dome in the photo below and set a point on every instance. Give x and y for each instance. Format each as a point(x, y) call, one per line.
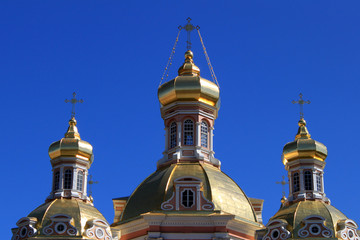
point(303, 146)
point(218, 188)
point(71, 145)
point(80, 216)
point(295, 214)
point(189, 86)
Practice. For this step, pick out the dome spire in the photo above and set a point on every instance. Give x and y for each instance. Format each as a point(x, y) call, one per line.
point(302, 133)
point(189, 68)
point(72, 131)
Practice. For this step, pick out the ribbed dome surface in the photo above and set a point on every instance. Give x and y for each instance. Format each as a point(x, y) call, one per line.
point(71, 145)
point(189, 86)
point(80, 211)
point(303, 146)
point(226, 195)
point(295, 213)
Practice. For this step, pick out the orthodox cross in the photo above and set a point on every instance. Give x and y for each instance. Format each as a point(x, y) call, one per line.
point(301, 102)
point(188, 27)
point(91, 182)
point(73, 101)
point(283, 183)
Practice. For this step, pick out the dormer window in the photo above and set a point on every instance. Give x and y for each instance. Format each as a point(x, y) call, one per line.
point(173, 131)
point(188, 132)
point(68, 179)
point(187, 198)
point(308, 180)
point(204, 134)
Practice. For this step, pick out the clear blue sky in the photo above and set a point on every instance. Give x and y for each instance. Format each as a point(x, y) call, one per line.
point(113, 53)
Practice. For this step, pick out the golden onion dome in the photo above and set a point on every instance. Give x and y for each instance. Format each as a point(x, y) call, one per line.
point(71, 145)
point(296, 214)
point(189, 86)
point(79, 215)
point(303, 146)
point(218, 188)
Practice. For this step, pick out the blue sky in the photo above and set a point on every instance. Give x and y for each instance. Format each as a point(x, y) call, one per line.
point(113, 53)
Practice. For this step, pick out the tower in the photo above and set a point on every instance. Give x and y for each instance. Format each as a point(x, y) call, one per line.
point(188, 196)
point(189, 107)
point(307, 212)
point(68, 213)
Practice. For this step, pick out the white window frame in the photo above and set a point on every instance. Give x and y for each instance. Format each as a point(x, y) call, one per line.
point(308, 179)
point(296, 182)
point(188, 197)
point(66, 182)
point(318, 182)
point(204, 134)
point(80, 180)
point(57, 180)
point(188, 132)
point(173, 135)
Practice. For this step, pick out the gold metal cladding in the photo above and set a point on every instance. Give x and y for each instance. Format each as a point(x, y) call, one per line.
point(71, 148)
point(71, 145)
point(189, 86)
point(80, 211)
point(304, 146)
point(226, 195)
point(295, 213)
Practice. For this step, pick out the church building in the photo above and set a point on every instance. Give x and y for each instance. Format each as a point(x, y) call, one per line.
point(188, 196)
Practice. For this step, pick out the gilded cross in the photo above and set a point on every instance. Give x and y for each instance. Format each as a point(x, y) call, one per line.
point(283, 183)
point(301, 102)
point(73, 101)
point(188, 27)
point(91, 182)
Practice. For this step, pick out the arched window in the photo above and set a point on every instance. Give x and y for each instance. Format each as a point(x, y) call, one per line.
point(187, 198)
point(188, 132)
point(204, 134)
point(68, 179)
point(296, 182)
point(173, 131)
point(80, 180)
point(56, 180)
point(308, 180)
point(318, 182)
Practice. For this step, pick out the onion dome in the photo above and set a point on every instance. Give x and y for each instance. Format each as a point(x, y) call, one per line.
point(71, 145)
point(303, 146)
point(217, 187)
point(189, 86)
point(69, 218)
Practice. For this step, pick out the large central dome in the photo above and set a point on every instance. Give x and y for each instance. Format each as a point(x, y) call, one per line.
point(226, 195)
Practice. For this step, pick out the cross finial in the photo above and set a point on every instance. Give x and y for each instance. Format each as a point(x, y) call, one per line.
point(283, 183)
point(301, 102)
point(91, 182)
point(188, 27)
point(73, 101)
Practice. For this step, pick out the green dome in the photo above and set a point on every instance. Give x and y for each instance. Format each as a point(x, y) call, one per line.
point(226, 195)
point(80, 212)
point(297, 212)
